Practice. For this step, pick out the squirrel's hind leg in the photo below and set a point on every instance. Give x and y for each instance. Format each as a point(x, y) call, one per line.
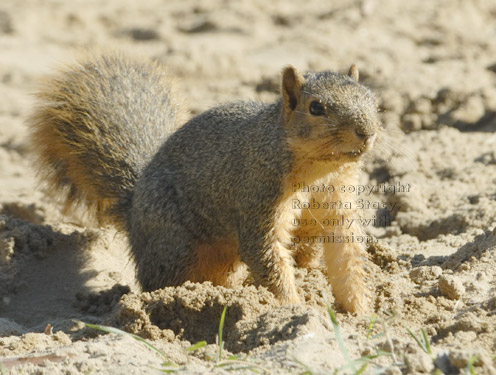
point(162, 255)
point(307, 254)
point(170, 257)
point(217, 261)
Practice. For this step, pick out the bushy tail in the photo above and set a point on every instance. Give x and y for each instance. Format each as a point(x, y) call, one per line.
point(96, 126)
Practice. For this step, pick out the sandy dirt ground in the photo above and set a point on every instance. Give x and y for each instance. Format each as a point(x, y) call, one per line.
point(432, 65)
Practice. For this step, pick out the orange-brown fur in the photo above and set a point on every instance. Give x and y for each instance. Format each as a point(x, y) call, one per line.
point(344, 261)
point(217, 262)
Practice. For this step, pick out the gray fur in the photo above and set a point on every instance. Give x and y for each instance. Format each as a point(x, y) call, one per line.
point(219, 175)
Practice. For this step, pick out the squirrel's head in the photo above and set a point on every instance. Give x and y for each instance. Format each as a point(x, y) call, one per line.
point(328, 115)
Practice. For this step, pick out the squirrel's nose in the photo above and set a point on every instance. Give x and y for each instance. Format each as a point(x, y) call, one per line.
point(364, 133)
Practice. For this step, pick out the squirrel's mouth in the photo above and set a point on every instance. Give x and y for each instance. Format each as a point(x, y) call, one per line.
point(336, 155)
point(352, 152)
point(355, 154)
point(367, 144)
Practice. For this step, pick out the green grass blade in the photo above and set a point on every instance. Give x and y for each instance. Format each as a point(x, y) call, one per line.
point(363, 362)
point(417, 340)
point(241, 364)
point(426, 342)
point(371, 325)
point(3, 370)
point(240, 368)
point(381, 353)
point(308, 370)
point(378, 336)
point(362, 369)
point(469, 369)
point(136, 337)
point(169, 371)
point(221, 329)
point(337, 332)
point(198, 345)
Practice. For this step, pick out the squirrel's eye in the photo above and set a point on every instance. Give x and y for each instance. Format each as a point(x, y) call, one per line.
point(316, 108)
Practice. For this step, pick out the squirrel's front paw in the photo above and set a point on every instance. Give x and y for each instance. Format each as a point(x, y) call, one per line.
point(286, 293)
point(358, 303)
point(289, 299)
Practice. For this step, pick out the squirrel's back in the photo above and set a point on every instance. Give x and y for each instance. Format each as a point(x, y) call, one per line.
point(96, 126)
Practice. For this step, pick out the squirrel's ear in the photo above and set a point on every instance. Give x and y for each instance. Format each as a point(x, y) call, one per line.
point(292, 80)
point(353, 72)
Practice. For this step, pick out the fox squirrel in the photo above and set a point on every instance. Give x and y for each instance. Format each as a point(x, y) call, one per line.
point(199, 200)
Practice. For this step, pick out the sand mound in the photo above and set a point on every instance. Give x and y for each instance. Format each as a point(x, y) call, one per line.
point(192, 312)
